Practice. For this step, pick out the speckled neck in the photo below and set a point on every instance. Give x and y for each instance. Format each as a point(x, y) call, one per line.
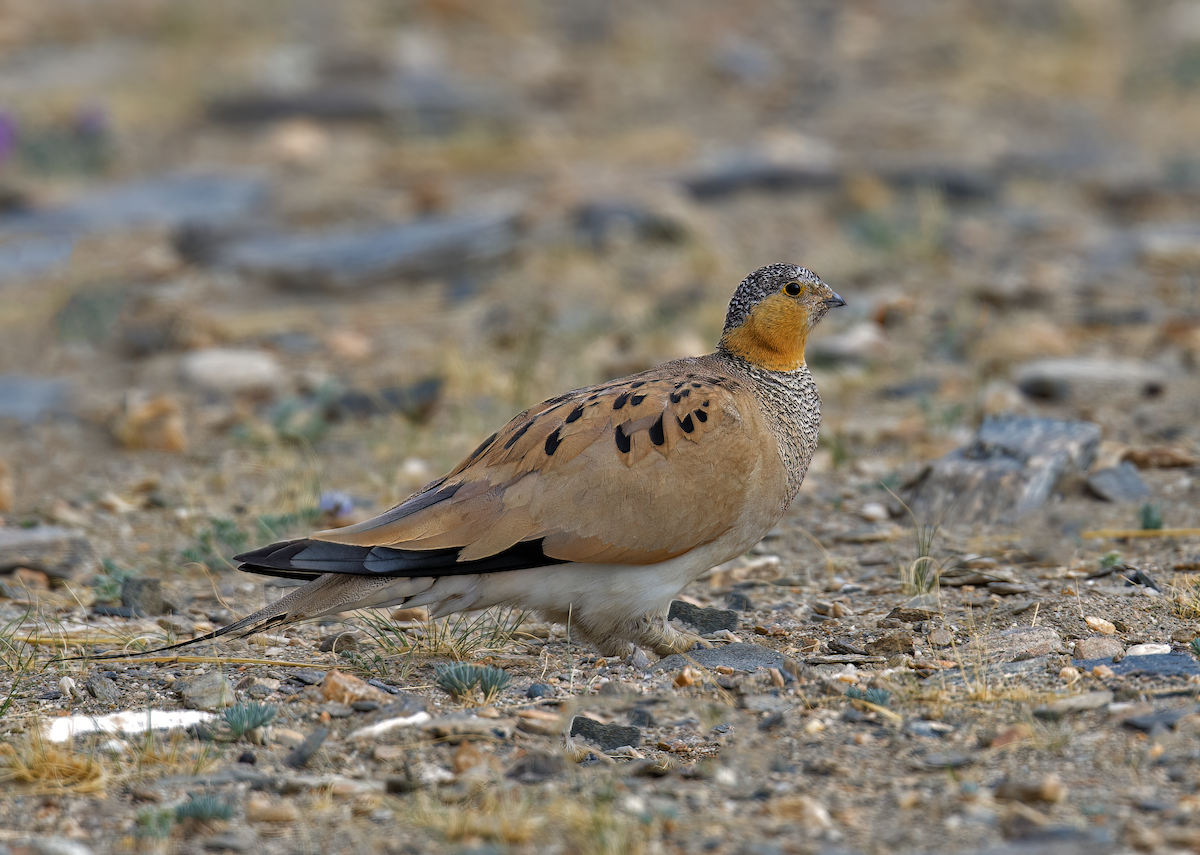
point(791, 406)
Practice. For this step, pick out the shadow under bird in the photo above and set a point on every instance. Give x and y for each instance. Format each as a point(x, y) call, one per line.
point(595, 507)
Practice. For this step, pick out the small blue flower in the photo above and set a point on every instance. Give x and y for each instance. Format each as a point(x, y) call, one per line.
point(336, 503)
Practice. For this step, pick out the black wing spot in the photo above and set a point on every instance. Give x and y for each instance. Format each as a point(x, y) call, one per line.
point(575, 415)
point(620, 400)
point(623, 443)
point(512, 440)
point(678, 395)
point(705, 404)
point(686, 423)
point(637, 384)
point(695, 385)
point(552, 442)
point(637, 399)
point(657, 434)
point(701, 415)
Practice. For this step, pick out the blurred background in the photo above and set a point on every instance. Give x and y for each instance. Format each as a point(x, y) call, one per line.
point(261, 262)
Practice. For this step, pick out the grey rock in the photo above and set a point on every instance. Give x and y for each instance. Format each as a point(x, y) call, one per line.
point(429, 102)
point(1095, 380)
point(143, 595)
point(31, 257)
point(231, 371)
point(750, 171)
point(601, 223)
point(168, 200)
point(346, 259)
point(740, 657)
point(308, 676)
point(1154, 665)
point(32, 399)
point(57, 552)
point(415, 401)
point(1118, 483)
point(233, 840)
point(336, 643)
point(1098, 647)
point(58, 846)
point(1011, 469)
point(1161, 720)
point(739, 602)
point(299, 756)
point(1063, 707)
point(935, 760)
point(209, 691)
point(607, 736)
point(103, 689)
point(536, 766)
point(1010, 645)
point(704, 620)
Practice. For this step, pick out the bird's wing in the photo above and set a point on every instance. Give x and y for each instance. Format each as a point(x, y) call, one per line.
point(635, 471)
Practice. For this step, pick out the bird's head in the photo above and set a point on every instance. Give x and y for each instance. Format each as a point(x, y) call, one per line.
point(772, 313)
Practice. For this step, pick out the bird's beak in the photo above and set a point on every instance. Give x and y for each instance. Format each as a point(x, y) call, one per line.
point(834, 300)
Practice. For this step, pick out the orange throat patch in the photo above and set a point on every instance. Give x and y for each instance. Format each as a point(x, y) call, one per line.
point(774, 335)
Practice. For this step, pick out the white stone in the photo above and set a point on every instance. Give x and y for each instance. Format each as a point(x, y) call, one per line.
point(232, 371)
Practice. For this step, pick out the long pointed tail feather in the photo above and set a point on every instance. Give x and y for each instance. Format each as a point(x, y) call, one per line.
point(321, 596)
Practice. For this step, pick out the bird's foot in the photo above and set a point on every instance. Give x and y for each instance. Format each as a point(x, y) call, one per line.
point(665, 639)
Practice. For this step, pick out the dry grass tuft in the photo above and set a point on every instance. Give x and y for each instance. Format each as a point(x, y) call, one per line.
point(39, 767)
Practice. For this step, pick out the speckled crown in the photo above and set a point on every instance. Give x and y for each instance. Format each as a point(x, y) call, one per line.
point(761, 284)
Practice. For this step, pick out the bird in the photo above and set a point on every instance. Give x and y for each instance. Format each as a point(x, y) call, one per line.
point(595, 507)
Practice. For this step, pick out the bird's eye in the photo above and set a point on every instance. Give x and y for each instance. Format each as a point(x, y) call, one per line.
point(793, 289)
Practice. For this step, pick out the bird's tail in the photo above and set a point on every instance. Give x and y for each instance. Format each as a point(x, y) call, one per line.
point(321, 596)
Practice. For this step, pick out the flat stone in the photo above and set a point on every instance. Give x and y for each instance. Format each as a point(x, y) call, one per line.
point(415, 401)
point(1062, 707)
point(425, 102)
point(232, 371)
point(29, 258)
point(702, 619)
point(58, 846)
point(103, 689)
point(1154, 665)
point(1086, 379)
point(1011, 645)
point(1118, 483)
point(607, 736)
point(1098, 647)
point(233, 840)
point(299, 756)
point(166, 201)
point(739, 657)
point(1010, 470)
point(891, 644)
point(601, 223)
point(143, 595)
point(32, 399)
point(57, 552)
point(209, 691)
point(346, 259)
point(536, 766)
point(1164, 719)
point(454, 727)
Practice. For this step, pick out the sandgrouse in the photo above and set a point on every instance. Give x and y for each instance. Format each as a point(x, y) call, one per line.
point(595, 507)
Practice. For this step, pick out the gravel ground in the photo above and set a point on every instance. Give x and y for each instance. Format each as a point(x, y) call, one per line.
point(270, 269)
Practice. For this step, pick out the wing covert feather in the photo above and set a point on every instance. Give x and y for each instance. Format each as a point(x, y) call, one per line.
point(633, 471)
